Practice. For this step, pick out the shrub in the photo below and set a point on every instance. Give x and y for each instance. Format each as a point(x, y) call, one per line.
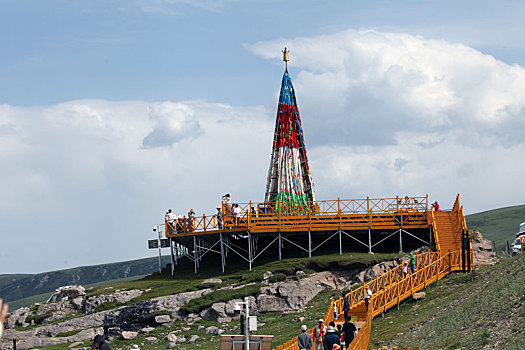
point(277, 277)
point(69, 333)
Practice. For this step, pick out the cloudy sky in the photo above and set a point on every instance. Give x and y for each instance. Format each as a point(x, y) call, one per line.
point(113, 111)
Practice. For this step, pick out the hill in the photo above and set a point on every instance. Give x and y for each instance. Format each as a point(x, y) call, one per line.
point(462, 311)
point(16, 287)
point(498, 225)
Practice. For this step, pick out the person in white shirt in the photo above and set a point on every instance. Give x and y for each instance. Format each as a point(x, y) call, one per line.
point(237, 213)
point(170, 218)
point(368, 294)
point(3, 315)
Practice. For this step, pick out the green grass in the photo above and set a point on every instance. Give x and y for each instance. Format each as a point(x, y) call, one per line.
point(461, 311)
point(68, 334)
point(498, 225)
point(198, 304)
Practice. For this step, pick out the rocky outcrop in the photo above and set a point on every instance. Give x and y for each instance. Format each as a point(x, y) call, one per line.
point(484, 253)
point(119, 297)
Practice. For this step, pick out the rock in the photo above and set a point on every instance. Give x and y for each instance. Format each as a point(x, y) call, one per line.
point(270, 290)
point(300, 274)
point(271, 303)
point(220, 309)
point(127, 335)
point(119, 297)
point(193, 338)
point(172, 345)
point(172, 337)
point(17, 317)
point(267, 275)
point(212, 280)
point(78, 303)
point(151, 339)
point(185, 329)
point(135, 347)
point(213, 330)
point(182, 339)
point(224, 319)
point(199, 328)
point(67, 292)
point(228, 308)
point(75, 344)
point(418, 295)
point(208, 314)
point(160, 319)
point(147, 330)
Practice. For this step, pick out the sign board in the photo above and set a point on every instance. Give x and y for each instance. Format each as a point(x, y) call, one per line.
point(153, 243)
point(522, 239)
point(237, 342)
point(252, 323)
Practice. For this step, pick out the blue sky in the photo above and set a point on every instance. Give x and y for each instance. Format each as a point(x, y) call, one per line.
point(113, 111)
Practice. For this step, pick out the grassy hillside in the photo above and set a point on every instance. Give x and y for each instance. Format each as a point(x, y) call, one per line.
point(462, 311)
point(16, 287)
point(498, 225)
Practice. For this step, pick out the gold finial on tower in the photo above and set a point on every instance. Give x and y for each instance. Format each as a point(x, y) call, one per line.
point(286, 58)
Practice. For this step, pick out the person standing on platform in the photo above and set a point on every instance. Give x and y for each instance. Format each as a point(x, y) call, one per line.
point(170, 218)
point(319, 332)
point(237, 213)
point(226, 199)
point(405, 270)
point(349, 332)
point(219, 218)
point(435, 206)
point(304, 340)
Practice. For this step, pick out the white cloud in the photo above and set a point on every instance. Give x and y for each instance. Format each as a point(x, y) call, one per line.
point(79, 172)
point(391, 113)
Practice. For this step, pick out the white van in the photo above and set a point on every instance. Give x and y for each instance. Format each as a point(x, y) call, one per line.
point(519, 243)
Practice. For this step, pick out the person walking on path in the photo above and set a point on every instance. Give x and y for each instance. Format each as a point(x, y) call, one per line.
point(3, 315)
point(331, 338)
point(304, 340)
point(405, 270)
point(346, 305)
point(368, 294)
point(349, 332)
point(412, 262)
point(319, 333)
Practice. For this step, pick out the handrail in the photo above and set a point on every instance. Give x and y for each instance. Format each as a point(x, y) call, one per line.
point(390, 289)
point(340, 212)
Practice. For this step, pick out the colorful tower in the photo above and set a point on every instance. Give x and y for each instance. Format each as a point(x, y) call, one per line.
point(289, 184)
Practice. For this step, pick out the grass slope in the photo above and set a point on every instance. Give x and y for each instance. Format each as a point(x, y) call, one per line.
point(462, 311)
point(498, 225)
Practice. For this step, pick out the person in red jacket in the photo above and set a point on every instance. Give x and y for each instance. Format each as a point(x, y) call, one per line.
point(319, 333)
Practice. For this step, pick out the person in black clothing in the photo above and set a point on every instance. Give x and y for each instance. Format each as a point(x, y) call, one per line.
point(99, 343)
point(346, 305)
point(349, 332)
point(331, 338)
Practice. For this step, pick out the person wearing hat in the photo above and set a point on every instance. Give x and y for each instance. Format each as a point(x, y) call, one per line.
point(219, 218)
point(304, 340)
point(331, 338)
point(99, 343)
point(319, 333)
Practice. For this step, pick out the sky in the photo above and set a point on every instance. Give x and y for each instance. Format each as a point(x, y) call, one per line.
point(111, 112)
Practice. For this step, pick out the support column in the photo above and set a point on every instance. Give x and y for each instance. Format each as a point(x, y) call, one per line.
point(309, 244)
point(222, 252)
point(280, 246)
point(195, 252)
point(430, 235)
point(369, 241)
point(249, 251)
point(172, 257)
point(400, 241)
point(340, 244)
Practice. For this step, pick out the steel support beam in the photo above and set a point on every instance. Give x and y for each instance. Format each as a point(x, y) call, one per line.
point(249, 252)
point(309, 244)
point(340, 244)
point(280, 245)
point(195, 252)
point(400, 242)
point(369, 241)
point(223, 258)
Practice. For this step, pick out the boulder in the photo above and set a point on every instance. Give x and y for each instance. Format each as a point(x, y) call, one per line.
point(224, 319)
point(161, 319)
point(267, 275)
point(220, 309)
point(199, 328)
point(300, 274)
point(127, 335)
point(271, 303)
point(228, 308)
point(147, 330)
point(172, 337)
point(119, 297)
point(78, 303)
point(418, 295)
point(193, 338)
point(17, 317)
point(209, 314)
point(213, 330)
point(151, 339)
point(212, 280)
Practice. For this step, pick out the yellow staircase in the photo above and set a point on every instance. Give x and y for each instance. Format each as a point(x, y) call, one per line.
point(447, 231)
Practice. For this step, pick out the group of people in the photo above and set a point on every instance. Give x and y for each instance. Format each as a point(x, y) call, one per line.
point(178, 223)
point(328, 338)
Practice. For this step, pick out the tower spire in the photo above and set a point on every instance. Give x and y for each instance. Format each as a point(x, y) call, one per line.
point(286, 58)
point(289, 184)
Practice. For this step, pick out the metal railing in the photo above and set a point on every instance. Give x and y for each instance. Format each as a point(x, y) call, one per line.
point(253, 216)
point(389, 290)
